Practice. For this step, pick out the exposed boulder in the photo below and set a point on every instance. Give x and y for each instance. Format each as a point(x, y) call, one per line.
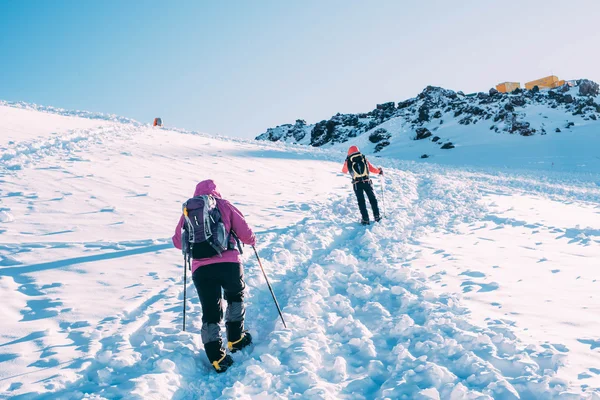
point(422, 133)
point(466, 121)
point(518, 101)
point(351, 120)
point(378, 135)
point(381, 145)
point(588, 88)
point(564, 88)
point(319, 135)
point(406, 103)
point(522, 128)
point(386, 106)
point(423, 114)
point(285, 132)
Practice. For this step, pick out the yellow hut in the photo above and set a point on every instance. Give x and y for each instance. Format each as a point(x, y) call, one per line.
point(507, 87)
point(548, 82)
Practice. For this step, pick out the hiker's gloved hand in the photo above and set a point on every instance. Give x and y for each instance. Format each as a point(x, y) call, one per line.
point(380, 171)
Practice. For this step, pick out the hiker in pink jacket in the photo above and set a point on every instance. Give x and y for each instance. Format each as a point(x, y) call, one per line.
point(224, 272)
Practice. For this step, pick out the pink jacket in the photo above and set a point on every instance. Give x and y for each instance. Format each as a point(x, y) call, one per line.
point(232, 218)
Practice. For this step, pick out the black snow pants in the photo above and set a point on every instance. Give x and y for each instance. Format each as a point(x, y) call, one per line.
point(360, 189)
point(210, 280)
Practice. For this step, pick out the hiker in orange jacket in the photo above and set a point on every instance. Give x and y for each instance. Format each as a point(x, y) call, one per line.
point(357, 165)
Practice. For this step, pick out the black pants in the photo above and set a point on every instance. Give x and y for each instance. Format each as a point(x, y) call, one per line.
point(210, 281)
point(360, 188)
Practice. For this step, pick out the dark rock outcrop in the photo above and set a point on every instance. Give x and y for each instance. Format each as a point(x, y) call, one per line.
point(381, 145)
point(378, 135)
point(422, 133)
point(588, 88)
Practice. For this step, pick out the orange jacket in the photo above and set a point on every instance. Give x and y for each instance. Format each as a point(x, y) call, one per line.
point(352, 150)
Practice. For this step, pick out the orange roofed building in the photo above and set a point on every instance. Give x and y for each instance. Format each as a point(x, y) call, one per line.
point(507, 87)
point(548, 82)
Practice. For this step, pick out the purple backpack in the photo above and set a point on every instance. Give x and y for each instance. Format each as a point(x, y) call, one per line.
point(204, 234)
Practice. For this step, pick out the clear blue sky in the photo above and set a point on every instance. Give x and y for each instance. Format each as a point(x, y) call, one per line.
point(239, 67)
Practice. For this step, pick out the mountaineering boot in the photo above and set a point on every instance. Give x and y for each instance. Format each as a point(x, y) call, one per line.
point(363, 222)
point(242, 342)
point(377, 218)
point(222, 365)
point(237, 336)
point(217, 356)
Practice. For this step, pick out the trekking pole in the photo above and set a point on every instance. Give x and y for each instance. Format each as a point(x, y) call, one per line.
point(382, 194)
point(185, 267)
point(268, 284)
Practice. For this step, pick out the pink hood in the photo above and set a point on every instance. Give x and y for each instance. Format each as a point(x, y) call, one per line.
point(207, 187)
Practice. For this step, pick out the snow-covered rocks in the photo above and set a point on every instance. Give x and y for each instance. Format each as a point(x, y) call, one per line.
point(436, 112)
point(588, 88)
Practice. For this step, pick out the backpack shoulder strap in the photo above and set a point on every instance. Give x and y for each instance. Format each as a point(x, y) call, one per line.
point(237, 240)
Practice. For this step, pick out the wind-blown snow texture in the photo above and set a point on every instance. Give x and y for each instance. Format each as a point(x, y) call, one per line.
point(477, 285)
point(451, 127)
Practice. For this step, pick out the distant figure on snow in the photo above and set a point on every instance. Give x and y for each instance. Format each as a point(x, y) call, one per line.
point(213, 272)
point(157, 122)
point(358, 167)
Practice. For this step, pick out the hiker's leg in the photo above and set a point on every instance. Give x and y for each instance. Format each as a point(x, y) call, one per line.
point(360, 196)
point(372, 199)
point(209, 290)
point(232, 280)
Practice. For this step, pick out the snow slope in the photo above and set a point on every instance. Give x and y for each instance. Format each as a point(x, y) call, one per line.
point(478, 284)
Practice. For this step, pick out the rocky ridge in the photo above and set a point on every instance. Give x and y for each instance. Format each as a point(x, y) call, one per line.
point(522, 112)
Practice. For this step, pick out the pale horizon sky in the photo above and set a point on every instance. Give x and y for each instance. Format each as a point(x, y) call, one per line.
point(237, 68)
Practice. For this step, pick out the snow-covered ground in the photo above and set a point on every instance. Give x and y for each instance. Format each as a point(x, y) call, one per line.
point(20, 125)
point(478, 284)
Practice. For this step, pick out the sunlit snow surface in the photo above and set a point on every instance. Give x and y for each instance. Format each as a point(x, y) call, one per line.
point(480, 283)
